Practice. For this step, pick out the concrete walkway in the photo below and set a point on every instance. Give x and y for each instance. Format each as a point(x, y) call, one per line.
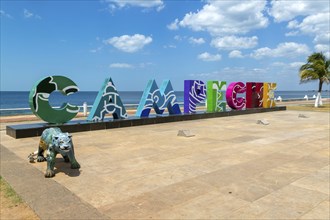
point(233, 168)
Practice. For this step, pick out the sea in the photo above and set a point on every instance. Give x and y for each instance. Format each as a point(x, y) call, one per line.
point(17, 103)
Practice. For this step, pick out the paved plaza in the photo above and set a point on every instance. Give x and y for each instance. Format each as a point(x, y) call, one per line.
point(233, 168)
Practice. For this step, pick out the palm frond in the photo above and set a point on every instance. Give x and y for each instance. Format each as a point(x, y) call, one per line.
point(325, 79)
point(316, 56)
point(308, 75)
point(316, 68)
point(305, 67)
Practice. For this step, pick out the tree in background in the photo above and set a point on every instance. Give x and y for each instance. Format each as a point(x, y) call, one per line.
point(316, 68)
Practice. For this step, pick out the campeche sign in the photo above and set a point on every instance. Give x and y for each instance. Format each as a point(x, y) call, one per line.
point(108, 101)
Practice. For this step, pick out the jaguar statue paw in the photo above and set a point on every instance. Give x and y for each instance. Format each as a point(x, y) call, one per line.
point(49, 173)
point(75, 165)
point(41, 159)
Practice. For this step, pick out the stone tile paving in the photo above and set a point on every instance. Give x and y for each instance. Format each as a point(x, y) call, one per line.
point(233, 168)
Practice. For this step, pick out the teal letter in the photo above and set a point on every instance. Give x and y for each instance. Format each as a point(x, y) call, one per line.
point(107, 102)
point(39, 95)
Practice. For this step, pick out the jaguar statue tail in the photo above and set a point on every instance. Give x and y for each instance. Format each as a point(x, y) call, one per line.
point(32, 156)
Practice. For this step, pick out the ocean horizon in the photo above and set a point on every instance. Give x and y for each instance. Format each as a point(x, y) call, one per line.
point(17, 102)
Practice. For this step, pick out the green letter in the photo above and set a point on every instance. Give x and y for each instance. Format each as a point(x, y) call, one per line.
point(39, 95)
point(216, 96)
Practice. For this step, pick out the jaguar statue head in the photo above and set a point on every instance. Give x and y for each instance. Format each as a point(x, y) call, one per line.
point(62, 142)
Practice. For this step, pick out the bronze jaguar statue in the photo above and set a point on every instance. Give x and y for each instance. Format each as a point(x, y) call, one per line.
point(54, 141)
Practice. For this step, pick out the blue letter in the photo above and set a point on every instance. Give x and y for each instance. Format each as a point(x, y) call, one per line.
point(159, 99)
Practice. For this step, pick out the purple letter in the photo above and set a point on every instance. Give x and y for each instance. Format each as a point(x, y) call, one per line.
point(194, 92)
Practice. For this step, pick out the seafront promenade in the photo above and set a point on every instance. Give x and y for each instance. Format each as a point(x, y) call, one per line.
point(233, 168)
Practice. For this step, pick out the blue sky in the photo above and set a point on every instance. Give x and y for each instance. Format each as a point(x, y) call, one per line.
point(133, 41)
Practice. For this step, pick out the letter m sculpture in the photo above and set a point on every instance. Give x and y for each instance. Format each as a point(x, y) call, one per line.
point(158, 99)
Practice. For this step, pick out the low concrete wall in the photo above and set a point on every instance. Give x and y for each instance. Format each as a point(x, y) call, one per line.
point(33, 130)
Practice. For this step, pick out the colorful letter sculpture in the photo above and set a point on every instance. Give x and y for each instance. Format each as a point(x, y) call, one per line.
point(107, 102)
point(233, 101)
point(254, 94)
point(194, 92)
point(159, 99)
point(216, 96)
point(39, 102)
point(238, 95)
point(268, 95)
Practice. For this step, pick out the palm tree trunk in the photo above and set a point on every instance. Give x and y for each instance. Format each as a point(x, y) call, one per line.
point(318, 100)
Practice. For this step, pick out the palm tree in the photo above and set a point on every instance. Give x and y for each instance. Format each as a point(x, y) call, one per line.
point(316, 68)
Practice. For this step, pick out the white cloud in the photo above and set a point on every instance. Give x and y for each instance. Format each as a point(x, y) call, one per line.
point(145, 65)
point(121, 65)
point(203, 74)
point(173, 25)
point(178, 37)
point(287, 69)
point(209, 57)
point(322, 38)
point(244, 71)
point(169, 46)
point(130, 66)
point(148, 4)
point(28, 14)
point(129, 44)
point(293, 24)
point(324, 48)
point(231, 73)
point(98, 49)
point(280, 64)
point(287, 49)
point(233, 42)
point(235, 54)
point(296, 65)
point(315, 25)
point(284, 10)
point(4, 14)
point(221, 18)
point(291, 33)
point(304, 17)
point(193, 40)
point(293, 65)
